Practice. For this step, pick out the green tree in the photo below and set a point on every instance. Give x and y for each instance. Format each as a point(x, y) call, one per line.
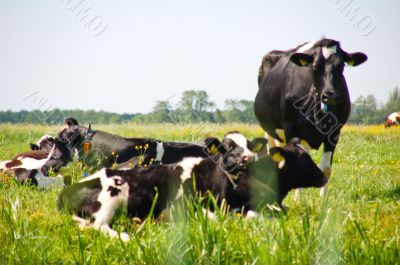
point(194, 106)
point(393, 103)
point(366, 110)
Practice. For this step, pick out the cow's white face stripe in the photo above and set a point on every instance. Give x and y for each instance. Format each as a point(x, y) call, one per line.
point(160, 152)
point(187, 165)
point(306, 46)
point(328, 51)
point(241, 141)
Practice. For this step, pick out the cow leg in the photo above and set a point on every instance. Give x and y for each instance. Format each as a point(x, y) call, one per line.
point(326, 164)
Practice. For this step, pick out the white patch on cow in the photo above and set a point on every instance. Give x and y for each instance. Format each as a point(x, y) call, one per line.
point(3, 164)
point(187, 165)
point(209, 214)
point(160, 151)
point(109, 204)
point(251, 214)
point(325, 164)
point(76, 155)
point(393, 117)
point(328, 51)
point(306, 46)
point(241, 141)
point(43, 138)
point(297, 195)
point(30, 163)
point(99, 174)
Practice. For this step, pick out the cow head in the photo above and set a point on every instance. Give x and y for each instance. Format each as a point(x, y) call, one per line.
point(62, 153)
point(71, 134)
point(45, 143)
point(326, 60)
point(296, 167)
point(235, 150)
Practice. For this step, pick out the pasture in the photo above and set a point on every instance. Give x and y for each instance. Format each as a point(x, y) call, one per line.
point(358, 222)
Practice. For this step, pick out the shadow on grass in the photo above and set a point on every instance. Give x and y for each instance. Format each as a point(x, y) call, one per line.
point(393, 194)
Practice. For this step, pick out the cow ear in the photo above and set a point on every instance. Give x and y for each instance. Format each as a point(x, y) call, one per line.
point(71, 121)
point(354, 59)
point(34, 147)
point(213, 145)
point(278, 155)
point(302, 59)
point(258, 144)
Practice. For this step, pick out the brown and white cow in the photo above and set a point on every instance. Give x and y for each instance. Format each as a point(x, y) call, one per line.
point(393, 120)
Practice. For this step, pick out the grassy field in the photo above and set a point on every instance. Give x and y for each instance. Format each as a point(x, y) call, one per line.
point(358, 222)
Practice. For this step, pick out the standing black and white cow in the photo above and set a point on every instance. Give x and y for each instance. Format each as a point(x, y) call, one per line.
point(303, 92)
point(227, 176)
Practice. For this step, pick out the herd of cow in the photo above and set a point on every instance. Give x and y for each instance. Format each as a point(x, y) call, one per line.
point(302, 101)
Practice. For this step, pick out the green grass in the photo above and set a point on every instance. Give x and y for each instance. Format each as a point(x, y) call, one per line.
point(358, 222)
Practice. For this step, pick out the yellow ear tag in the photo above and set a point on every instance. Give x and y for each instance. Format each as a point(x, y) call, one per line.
point(86, 147)
point(303, 62)
point(258, 147)
point(350, 63)
point(213, 150)
point(277, 157)
point(305, 144)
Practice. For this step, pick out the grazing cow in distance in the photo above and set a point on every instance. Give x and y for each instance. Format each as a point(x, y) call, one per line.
point(97, 197)
point(303, 92)
point(392, 120)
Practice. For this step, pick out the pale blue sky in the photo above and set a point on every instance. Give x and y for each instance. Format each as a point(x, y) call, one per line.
point(154, 50)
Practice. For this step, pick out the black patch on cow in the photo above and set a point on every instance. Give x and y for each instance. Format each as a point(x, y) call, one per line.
point(118, 182)
point(113, 191)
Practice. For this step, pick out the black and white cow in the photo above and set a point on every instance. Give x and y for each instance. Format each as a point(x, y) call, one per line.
point(97, 197)
point(62, 153)
point(113, 149)
point(303, 92)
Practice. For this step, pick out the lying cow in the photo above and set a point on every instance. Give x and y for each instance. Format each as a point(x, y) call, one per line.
point(100, 195)
point(30, 167)
point(112, 149)
point(303, 92)
point(393, 120)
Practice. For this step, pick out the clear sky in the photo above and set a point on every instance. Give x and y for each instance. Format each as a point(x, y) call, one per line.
point(152, 50)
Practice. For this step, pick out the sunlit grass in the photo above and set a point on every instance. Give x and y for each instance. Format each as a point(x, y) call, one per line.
point(358, 222)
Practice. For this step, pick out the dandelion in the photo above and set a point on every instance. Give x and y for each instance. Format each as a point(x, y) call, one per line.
point(113, 153)
point(141, 147)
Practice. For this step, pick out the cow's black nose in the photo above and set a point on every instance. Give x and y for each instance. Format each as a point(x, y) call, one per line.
point(328, 96)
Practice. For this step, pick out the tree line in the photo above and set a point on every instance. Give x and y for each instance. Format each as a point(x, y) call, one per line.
point(196, 106)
